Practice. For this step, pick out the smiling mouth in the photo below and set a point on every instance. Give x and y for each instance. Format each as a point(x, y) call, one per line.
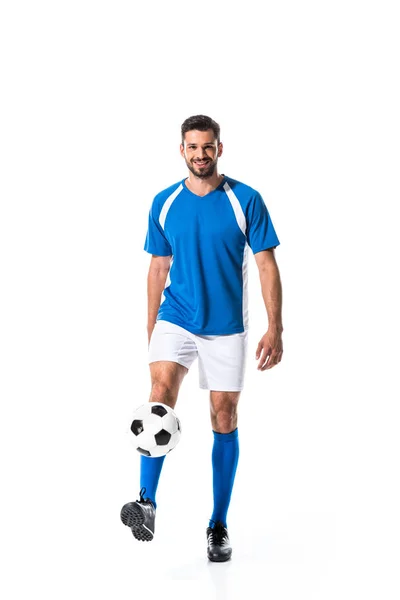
point(201, 163)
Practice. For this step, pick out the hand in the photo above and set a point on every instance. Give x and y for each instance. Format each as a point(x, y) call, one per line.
point(269, 350)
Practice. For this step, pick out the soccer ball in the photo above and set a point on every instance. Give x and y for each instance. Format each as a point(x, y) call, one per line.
point(155, 429)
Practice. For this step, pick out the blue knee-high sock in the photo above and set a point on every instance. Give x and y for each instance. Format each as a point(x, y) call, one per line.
point(225, 455)
point(150, 469)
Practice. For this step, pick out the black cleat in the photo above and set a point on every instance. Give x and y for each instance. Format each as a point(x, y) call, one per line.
point(140, 517)
point(218, 546)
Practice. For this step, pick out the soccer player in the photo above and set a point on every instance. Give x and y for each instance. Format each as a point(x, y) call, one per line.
point(199, 232)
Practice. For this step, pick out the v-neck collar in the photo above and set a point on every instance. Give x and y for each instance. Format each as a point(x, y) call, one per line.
point(185, 187)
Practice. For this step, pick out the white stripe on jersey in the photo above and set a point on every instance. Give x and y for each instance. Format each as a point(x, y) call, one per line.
point(241, 221)
point(245, 296)
point(167, 205)
point(237, 209)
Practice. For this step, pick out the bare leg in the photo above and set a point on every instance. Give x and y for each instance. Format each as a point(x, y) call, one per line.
point(166, 379)
point(223, 411)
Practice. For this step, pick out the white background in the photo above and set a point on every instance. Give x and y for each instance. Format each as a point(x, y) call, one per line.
point(93, 96)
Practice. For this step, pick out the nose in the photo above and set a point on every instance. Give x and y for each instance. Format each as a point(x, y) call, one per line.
point(201, 153)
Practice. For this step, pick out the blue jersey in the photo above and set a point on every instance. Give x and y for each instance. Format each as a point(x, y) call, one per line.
point(208, 238)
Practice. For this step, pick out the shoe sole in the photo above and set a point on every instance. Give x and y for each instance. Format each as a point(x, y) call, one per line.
point(219, 559)
point(132, 516)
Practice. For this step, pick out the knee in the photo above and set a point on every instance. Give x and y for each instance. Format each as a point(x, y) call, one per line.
point(224, 417)
point(162, 391)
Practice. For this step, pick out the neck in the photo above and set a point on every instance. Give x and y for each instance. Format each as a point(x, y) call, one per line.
point(201, 187)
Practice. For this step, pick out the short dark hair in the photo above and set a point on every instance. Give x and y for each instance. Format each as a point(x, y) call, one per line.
point(201, 123)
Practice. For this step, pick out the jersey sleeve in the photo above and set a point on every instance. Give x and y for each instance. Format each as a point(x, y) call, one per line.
point(156, 242)
point(261, 234)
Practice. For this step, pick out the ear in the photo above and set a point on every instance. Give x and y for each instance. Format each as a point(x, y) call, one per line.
point(182, 150)
point(220, 149)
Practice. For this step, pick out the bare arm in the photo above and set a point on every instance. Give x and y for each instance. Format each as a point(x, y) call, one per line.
point(270, 347)
point(271, 287)
point(156, 278)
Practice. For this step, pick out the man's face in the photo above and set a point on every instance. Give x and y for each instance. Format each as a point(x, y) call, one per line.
point(201, 152)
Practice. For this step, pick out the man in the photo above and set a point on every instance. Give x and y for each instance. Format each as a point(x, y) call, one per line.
point(199, 233)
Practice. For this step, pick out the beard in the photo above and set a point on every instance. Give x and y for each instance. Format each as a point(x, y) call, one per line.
point(203, 172)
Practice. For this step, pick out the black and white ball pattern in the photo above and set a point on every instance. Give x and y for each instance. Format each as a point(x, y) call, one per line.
point(156, 429)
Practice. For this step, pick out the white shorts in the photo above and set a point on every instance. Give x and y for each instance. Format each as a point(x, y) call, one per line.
point(222, 358)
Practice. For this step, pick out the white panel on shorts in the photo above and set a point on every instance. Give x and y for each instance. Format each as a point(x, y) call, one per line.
point(170, 342)
point(222, 358)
